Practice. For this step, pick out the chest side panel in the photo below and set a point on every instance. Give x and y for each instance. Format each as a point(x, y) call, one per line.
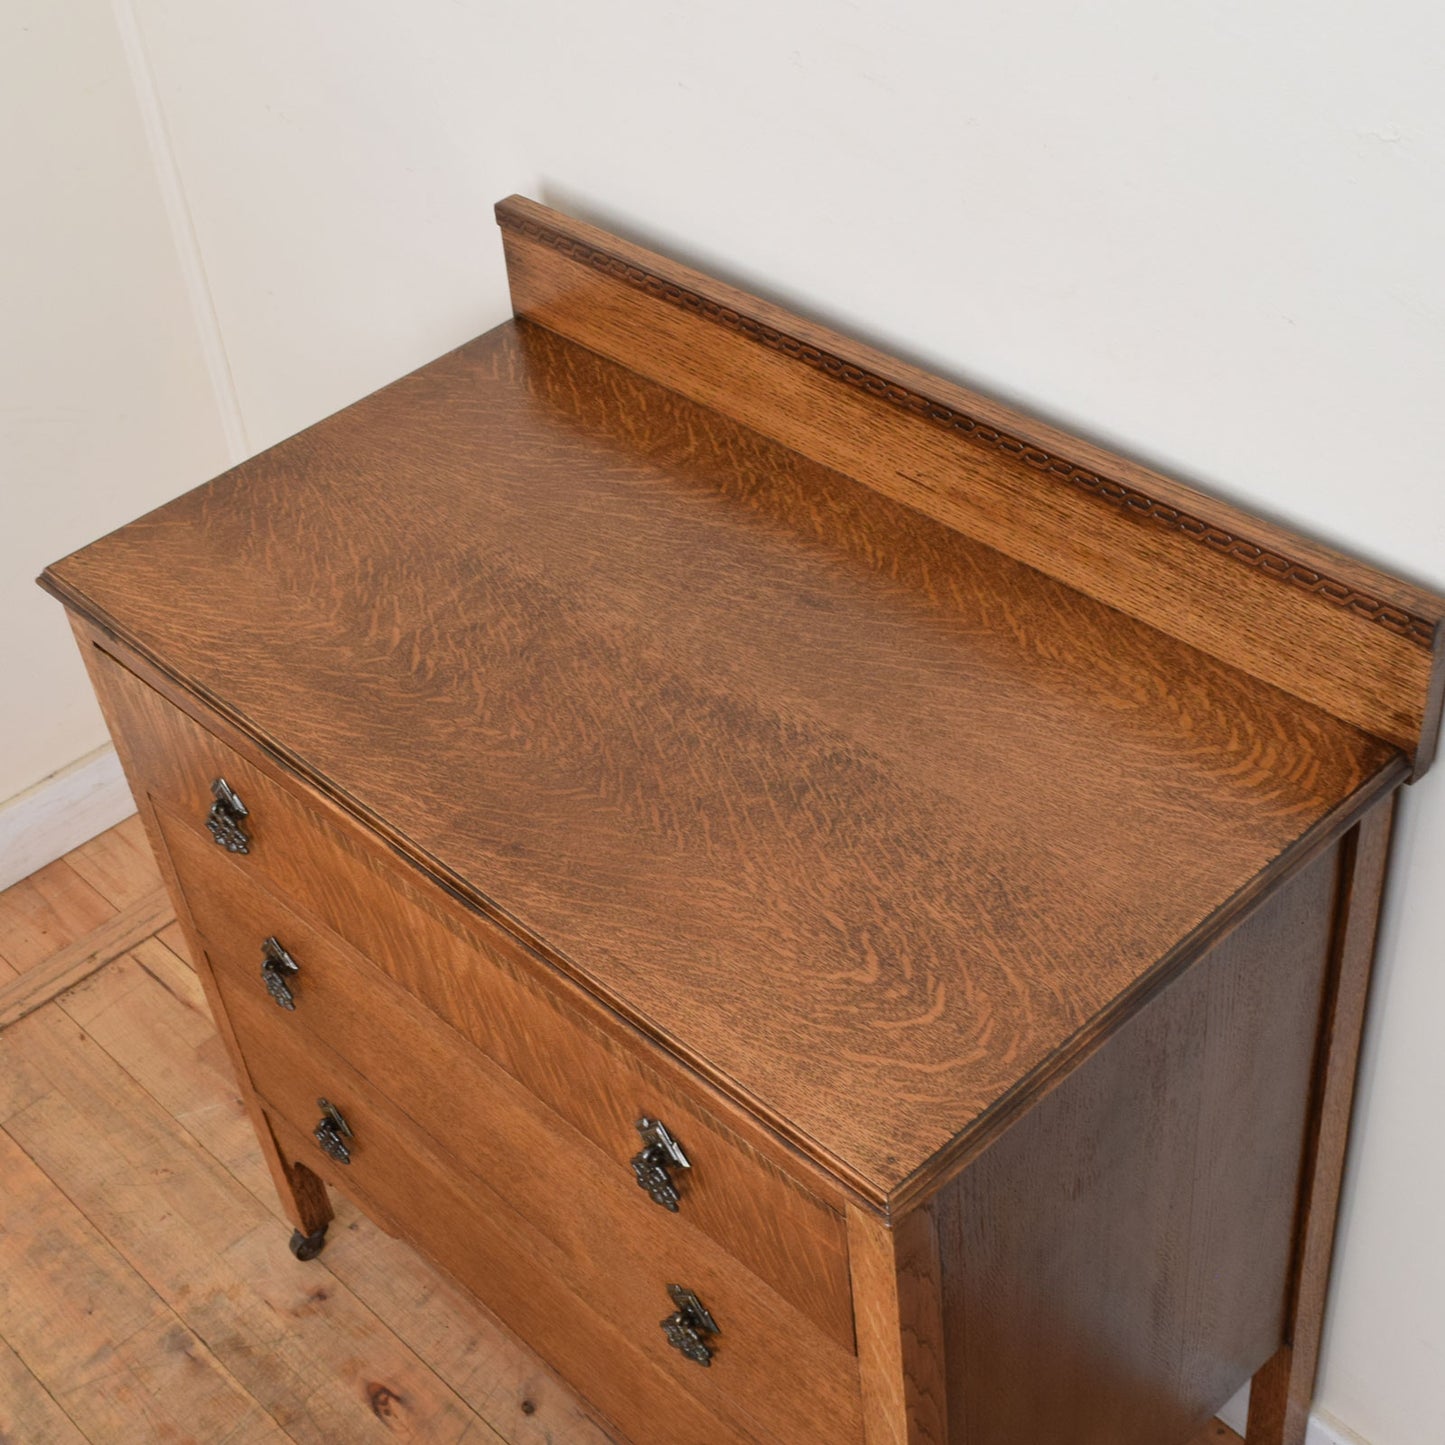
point(1120, 1259)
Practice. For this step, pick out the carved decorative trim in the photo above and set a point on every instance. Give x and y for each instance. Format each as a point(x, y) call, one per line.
point(1128, 500)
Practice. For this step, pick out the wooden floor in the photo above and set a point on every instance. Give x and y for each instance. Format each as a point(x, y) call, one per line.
point(146, 1291)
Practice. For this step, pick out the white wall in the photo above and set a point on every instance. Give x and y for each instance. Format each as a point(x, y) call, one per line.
point(106, 407)
point(1207, 232)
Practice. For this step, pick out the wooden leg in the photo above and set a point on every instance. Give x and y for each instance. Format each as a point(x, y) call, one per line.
point(302, 1194)
point(900, 1327)
point(1281, 1393)
point(309, 1206)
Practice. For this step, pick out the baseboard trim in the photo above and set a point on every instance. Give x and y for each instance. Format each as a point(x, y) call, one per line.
point(1326, 1432)
point(61, 812)
point(1321, 1431)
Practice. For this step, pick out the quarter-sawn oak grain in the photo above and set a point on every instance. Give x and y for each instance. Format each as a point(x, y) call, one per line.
point(1343, 635)
point(676, 700)
point(486, 986)
point(345, 1002)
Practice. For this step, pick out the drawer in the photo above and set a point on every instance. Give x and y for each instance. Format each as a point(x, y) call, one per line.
point(446, 1118)
point(591, 1068)
point(482, 1252)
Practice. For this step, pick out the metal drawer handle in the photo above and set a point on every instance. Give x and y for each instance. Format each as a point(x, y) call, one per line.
point(689, 1325)
point(660, 1152)
point(332, 1132)
point(224, 819)
point(277, 966)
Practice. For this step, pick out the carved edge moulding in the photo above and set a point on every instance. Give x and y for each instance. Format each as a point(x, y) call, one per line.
point(1333, 631)
point(1420, 630)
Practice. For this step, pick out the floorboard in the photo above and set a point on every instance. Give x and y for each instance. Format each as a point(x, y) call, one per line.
point(43, 913)
point(39, 985)
point(146, 1291)
point(118, 863)
point(28, 1412)
point(89, 1330)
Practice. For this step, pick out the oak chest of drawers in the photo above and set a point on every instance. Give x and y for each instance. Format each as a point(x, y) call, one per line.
point(843, 914)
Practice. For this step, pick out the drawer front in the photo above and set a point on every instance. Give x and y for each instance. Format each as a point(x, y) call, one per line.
point(502, 1261)
point(447, 1110)
point(543, 1029)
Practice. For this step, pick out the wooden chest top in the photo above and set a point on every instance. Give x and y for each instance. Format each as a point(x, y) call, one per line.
point(868, 822)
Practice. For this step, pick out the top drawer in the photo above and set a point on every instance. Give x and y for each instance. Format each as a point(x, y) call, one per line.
point(568, 1050)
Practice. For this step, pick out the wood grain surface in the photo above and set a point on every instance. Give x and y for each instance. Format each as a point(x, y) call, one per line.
point(331, 1360)
point(1331, 629)
point(902, 1355)
point(1118, 1263)
point(745, 1189)
point(68, 966)
point(493, 1127)
point(1279, 1402)
point(862, 818)
point(54, 908)
point(561, 1216)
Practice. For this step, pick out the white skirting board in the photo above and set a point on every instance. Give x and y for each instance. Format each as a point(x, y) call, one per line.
point(1321, 1432)
point(61, 812)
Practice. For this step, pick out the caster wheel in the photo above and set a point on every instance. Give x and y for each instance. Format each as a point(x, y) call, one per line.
point(307, 1246)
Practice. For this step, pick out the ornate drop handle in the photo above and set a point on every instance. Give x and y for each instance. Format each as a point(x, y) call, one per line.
point(688, 1327)
point(277, 967)
point(332, 1132)
point(224, 819)
point(660, 1152)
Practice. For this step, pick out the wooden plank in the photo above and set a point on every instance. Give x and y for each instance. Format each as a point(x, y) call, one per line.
point(118, 1364)
point(484, 1362)
point(148, 1012)
point(37, 985)
point(118, 863)
point(1279, 1401)
point(896, 1292)
point(28, 1412)
point(48, 911)
point(293, 1336)
point(174, 938)
point(1326, 627)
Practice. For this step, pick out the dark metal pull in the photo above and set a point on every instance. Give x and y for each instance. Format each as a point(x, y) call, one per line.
point(689, 1325)
point(332, 1132)
point(224, 819)
point(277, 966)
point(660, 1152)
